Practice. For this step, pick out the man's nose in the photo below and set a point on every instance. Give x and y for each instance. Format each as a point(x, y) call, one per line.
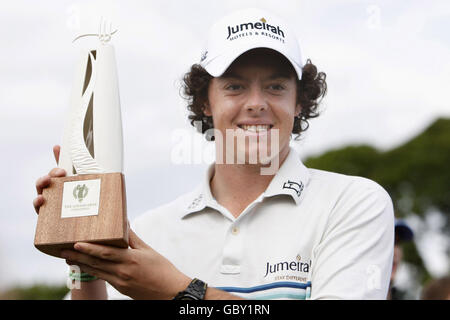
point(256, 101)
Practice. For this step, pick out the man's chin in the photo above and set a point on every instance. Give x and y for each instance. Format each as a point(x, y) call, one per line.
point(259, 157)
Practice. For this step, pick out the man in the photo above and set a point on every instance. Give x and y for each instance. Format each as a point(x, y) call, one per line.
point(260, 225)
point(403, 233)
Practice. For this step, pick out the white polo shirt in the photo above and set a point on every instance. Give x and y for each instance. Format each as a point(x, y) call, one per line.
point(312, 234)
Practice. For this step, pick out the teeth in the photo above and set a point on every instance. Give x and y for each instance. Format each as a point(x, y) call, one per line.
point(257, 128)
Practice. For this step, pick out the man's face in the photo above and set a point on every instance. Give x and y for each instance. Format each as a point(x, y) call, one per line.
point(258, 89)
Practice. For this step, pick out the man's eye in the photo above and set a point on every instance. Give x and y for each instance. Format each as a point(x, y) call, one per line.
point(234, 87)
point(277, 87)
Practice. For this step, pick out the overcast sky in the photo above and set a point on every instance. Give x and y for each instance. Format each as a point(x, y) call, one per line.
point(387, 66)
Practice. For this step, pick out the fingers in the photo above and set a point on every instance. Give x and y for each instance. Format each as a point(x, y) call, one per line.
point(134, 241)
point(56, 152)
point(57, 172)
point(38, 202)
point(90, 261)
point(101, 274)
point(44, 182)
point(107, 253)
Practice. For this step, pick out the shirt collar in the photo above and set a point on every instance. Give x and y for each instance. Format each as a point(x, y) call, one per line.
point(291, 179)
point(202, 196)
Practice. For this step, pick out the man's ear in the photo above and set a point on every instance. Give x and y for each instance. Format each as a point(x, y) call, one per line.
point(207, 109)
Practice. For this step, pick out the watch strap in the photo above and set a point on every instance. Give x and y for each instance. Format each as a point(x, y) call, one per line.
point(196, 290)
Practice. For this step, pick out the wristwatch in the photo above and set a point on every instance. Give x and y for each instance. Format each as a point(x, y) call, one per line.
point(195, 291)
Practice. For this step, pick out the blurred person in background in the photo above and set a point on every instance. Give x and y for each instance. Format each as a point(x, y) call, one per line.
point(403, 233)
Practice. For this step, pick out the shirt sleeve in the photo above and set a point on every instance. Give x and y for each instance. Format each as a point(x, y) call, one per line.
point(353, 260)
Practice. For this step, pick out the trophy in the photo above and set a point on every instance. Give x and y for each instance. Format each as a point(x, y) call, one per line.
point(89, 204)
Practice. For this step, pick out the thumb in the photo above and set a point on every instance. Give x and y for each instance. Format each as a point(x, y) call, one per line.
point(134, 241)
point(56, 152)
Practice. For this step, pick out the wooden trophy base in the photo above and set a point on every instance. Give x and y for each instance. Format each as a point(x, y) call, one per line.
point(94, 210)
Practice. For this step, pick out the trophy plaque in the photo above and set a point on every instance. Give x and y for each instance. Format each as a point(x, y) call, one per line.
point(89, 204)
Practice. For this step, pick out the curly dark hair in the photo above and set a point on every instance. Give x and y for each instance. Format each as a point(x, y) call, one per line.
point(311, 89)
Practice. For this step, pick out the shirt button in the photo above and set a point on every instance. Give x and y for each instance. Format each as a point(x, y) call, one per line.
point(235, 231)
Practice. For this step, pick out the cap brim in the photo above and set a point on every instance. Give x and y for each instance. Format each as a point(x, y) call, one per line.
point(218, 65)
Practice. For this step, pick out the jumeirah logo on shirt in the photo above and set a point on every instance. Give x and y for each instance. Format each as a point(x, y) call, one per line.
point(298, 265)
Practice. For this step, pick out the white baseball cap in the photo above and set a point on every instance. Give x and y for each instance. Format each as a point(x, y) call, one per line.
point(245, 30)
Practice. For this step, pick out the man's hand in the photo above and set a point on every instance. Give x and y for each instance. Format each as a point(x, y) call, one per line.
point(44, 181)
point(139, 272)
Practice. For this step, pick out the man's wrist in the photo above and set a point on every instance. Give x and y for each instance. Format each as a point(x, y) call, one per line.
point(196, 290)
point(82, 277)
point(180, 285)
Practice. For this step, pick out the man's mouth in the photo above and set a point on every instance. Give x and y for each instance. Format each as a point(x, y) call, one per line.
point(260, 128)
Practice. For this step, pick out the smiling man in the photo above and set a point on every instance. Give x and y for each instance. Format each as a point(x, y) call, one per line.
point(255, 100)
point(286, 233)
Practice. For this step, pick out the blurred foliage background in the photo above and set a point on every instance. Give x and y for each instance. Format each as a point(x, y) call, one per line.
point(415, 174)
point(35, 292)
